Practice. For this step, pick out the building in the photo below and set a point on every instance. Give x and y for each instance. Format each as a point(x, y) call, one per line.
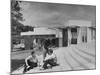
point(74, 32)
point(78, 31)
point(39, 35)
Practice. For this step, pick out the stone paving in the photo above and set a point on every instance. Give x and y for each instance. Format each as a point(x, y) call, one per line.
point(74, 57)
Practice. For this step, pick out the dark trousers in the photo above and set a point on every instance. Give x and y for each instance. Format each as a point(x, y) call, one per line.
point(50, 62)
point(31, 66)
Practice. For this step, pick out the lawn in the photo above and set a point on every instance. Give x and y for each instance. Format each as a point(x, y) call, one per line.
point(15, 64)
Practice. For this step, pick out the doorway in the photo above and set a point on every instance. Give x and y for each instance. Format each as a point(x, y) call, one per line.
point(65, 37)
point(74, 35)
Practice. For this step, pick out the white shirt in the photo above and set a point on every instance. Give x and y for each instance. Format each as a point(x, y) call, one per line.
point(50, 56)
point(31, 59)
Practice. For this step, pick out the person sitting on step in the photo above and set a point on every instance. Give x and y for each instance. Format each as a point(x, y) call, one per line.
point(30, 62)
point(50, 59)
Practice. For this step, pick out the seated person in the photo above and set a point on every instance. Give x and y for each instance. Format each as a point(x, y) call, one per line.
point(30, 62)
point(50, 59)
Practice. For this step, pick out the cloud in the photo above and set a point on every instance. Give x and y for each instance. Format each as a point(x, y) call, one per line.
point(47, 14)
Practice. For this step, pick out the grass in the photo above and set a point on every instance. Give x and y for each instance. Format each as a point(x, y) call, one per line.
point(15, 64)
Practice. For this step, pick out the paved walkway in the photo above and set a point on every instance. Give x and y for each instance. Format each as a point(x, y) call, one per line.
point(74, 57)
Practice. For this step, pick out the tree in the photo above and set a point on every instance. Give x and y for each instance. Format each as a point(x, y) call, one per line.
point(16, 17)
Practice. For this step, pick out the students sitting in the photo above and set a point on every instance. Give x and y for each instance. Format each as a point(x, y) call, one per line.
point(34, 60)
point(30, 62)
point(50, 59)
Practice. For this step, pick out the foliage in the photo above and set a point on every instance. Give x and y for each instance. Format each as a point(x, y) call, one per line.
point(16, 17)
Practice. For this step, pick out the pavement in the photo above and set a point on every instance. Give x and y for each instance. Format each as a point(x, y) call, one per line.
point(74, 57)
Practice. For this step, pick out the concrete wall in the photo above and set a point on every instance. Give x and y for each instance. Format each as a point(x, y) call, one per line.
point(80, 23)
point(82, 30)
point(89, 38)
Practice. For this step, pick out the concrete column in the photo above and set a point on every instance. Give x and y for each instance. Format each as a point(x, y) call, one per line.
point(69, 36)
point(79, 38)
point(60, 38)
point(60, 42)
point(88, 34)
point(94, 34)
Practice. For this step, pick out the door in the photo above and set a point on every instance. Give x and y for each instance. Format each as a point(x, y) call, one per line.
point(74, 35)
point(65, 37)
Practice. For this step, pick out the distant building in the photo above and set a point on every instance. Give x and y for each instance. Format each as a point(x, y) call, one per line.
point(78, 31)
point(39, 35)
point(74, 32)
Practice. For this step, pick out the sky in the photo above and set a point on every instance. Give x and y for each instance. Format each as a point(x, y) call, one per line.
point(52, 14)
